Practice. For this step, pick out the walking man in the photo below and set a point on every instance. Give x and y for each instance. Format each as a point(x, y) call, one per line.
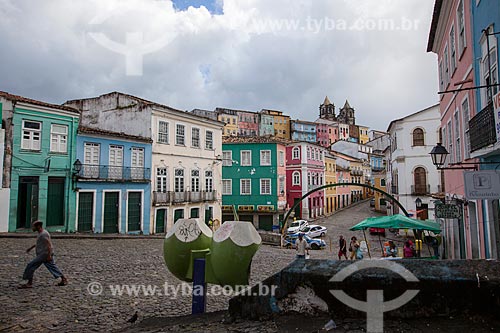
point(342, 247)
point(44, 255)
point(302, 247)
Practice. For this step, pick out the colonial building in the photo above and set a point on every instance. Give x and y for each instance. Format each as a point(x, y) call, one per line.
point(463, 133)
point(186, 152)
point(38, 163)
point(253, 185)
point(114, 183)
point(330, 178)
point(305, 170)
point(281, 123)
point(410, 172)
point(304, 131)
point(230, 118)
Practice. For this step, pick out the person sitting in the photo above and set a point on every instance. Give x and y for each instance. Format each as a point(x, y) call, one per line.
point(393, 250)
point(408, 250)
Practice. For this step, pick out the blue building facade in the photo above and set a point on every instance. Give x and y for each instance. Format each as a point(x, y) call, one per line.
point(113, 183)
point(304, 131)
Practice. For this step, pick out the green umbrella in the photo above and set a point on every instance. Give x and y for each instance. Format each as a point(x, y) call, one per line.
point(397, 221)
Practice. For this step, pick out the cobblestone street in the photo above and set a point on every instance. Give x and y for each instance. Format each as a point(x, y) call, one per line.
point(118, 262)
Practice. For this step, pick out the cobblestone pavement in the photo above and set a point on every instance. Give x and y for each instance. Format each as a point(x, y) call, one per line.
point(109, 262)
point(117, 262)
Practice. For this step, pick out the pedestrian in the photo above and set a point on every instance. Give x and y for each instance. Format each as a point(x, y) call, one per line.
point(408, 251)
point(44, 255)
point(353, 247)
point(302, 247)
point(393, 250)
point(342, 247)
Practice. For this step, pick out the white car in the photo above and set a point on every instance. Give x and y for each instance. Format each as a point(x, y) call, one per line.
point(296, 226)
point(314, 231)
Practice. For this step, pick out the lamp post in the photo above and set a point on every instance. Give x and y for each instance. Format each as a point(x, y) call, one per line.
point(438, 155)
point(77, 167)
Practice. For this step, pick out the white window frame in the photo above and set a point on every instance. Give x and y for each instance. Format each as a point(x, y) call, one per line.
point(115, 161)
point(227, 158)
point(137, 163)
point(453, 49)
point(466, 118)
point(180, 134)
point(163, 131)
point(195, 137)
point(244, 183)
point(462, 38)
point(265, 186)
point(457, 131)
point(162, 179)
point(58, 139)
point(281, 156)
point(246, 161)
point(31, 138)
point(265, 160)
point(179, 180)
point(227, 187)
point(195, 180)
point(281, 185)
point(296, 178)
point(209, 140)
point(296, 153)
point(209, 181)
point(450, 142)
point(91, 159)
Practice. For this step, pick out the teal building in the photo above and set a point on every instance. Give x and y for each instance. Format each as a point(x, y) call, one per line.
point(40, 153)
point(253, 181)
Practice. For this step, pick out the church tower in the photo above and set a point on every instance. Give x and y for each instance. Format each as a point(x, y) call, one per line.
point(327, 110)
point(346, 114)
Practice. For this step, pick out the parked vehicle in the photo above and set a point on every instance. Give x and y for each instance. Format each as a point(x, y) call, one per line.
point(314, 243)
point(296, 226)
point(374, 231)
point(314, 230)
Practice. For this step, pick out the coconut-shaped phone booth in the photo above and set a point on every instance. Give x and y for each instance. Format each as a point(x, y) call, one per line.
point(187, 239)
point(228, 254)
point(233, 246)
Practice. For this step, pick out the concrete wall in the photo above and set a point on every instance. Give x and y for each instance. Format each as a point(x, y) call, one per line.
point(4, 209)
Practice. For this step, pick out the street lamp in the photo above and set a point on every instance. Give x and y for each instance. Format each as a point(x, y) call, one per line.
point(77, 167)
point(418, 203)
point(438, 155)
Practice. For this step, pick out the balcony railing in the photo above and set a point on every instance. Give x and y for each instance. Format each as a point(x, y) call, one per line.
point(113, 173)
point(170, 197)
point(357, 172)
point(378, 168)
point(420, 189)
point(482, 129)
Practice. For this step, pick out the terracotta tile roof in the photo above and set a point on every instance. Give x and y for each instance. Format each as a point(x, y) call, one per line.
point(89, 130)
point(22, 99)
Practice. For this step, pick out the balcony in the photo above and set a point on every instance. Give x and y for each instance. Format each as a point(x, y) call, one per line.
point(482, 129)
point(378, 168)
point(357, 172)
point(420, 189)
point(113, 173)
point(170, 197)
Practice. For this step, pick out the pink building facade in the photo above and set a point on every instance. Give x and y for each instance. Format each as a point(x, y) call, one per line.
point(451, 39)
point(248, 123)
point(322, 135)
point(305, 170)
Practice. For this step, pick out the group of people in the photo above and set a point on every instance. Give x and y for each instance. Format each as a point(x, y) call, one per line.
point(354, 248)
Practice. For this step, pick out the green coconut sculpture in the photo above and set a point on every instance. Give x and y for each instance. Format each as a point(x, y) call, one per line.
point(185, 237)
point(233, 247)
point(228, 254)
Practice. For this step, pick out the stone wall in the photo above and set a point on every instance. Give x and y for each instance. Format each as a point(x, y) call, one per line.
point(445, 287)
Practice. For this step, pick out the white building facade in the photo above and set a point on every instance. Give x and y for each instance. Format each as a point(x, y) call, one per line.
point(410, 172)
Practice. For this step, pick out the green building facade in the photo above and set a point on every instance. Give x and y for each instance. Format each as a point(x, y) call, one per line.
point(253, 184)
point(41, 175)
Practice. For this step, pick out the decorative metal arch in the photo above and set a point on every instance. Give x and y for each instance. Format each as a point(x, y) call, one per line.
point(285, 219)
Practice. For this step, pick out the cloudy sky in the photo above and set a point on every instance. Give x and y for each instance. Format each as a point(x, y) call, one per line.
point(242, 54)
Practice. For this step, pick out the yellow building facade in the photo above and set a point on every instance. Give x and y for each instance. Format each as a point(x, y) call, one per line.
point(231, 124)
point(363, 134)
point(330, 178)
